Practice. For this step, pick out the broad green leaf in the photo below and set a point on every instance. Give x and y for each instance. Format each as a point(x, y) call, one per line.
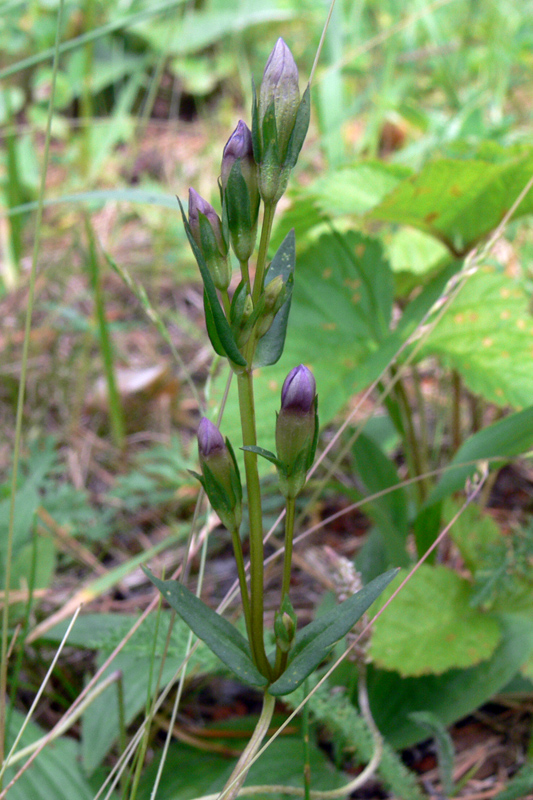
point(445, 198)
point(56, 773)
point(313, 642)
point(217, 633)
point(357, 189)
point(431, 626)
point(270, 346)
point(103, 632)
point(487, 336)
point(191, 773)
point(508, 437)
point(390, 512)
point(452, 695)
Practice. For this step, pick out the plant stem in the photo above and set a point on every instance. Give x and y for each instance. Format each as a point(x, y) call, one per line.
point(245, 272)
point(238, 776)
point(241, 571)
point(116, 413)
point(266, 230)
point(287, 556)
point(249, 438)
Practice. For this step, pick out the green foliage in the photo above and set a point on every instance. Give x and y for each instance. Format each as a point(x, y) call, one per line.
point(445, 198)
point(431, 626)
point(487, 336)
point(218, 634)
point(313, 643)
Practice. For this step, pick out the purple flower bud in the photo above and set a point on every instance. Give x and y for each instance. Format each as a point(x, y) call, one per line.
point(206, 229)
point(299, 390)
point(210, 440)
point(280, 85)
point(238, 146)
point(197, 206)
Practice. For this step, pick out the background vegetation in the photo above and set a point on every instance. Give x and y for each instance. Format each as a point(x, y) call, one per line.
point(420, 146)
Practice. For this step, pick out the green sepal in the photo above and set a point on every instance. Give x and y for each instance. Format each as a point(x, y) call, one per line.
point(222, 638)
point(237, 303)
point(299, 132)
point(236, 484)
point(314, 444)
point(269, 133)
point(237, 200)
point(260, 451)
point(218, 498)
point(227, 340)
point(312, 643)
point(270, 347)
point(256, 138)
point(211, 328)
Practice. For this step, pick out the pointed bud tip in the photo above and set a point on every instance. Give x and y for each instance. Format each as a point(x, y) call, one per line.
point(239, 144)
point(299, 390)
point(280, 64)
point(210, 439)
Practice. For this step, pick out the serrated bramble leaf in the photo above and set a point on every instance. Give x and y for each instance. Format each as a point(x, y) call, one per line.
point(445, 198)
point(431, 626)
point(217, 633)
point(487, 336)
point(313, 642)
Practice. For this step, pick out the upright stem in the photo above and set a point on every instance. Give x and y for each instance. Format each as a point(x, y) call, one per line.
point(249, 438)
point(266, 230)
point(238, 776)
point(241, 572)
point(287, 556)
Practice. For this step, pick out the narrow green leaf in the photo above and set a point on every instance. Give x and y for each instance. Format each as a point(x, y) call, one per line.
point(508, 437)
point(270, 346)
point(211, 328)
point(444, 743)
point(218, 634)
point(299, 132)
point(313, 642)
point(219, 319)
point(260, 451)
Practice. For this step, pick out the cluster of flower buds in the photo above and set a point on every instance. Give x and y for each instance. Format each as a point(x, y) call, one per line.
point(296, 430)
point(220, 474)
point(280, 122)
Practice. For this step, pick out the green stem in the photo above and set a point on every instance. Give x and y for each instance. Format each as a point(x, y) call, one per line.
point(241, 571)
point(249, 438)
point(238, 776)
point(116, 413)
point(287, 556)
point(266, 230)
point(245, 272)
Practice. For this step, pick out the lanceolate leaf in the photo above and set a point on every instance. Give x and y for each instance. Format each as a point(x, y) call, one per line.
point(219, 319)
point(314, 641)
point(270, 346)
point(299, 132)
point(508, 437)
point(260, 451)
point(218, 634)
point(211, 327)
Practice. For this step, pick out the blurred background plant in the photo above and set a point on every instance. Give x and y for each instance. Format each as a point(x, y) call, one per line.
point(419, 145)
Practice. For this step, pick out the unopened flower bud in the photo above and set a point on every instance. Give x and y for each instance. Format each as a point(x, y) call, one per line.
point(273, 298)
point(280, 122)
point(296, 429)
point(206, 228)
point(220, 474)
point(240, 191)
point(285, 625)
point(280, 86)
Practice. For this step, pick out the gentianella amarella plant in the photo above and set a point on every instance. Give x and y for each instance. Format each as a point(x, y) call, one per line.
point(248, 328)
